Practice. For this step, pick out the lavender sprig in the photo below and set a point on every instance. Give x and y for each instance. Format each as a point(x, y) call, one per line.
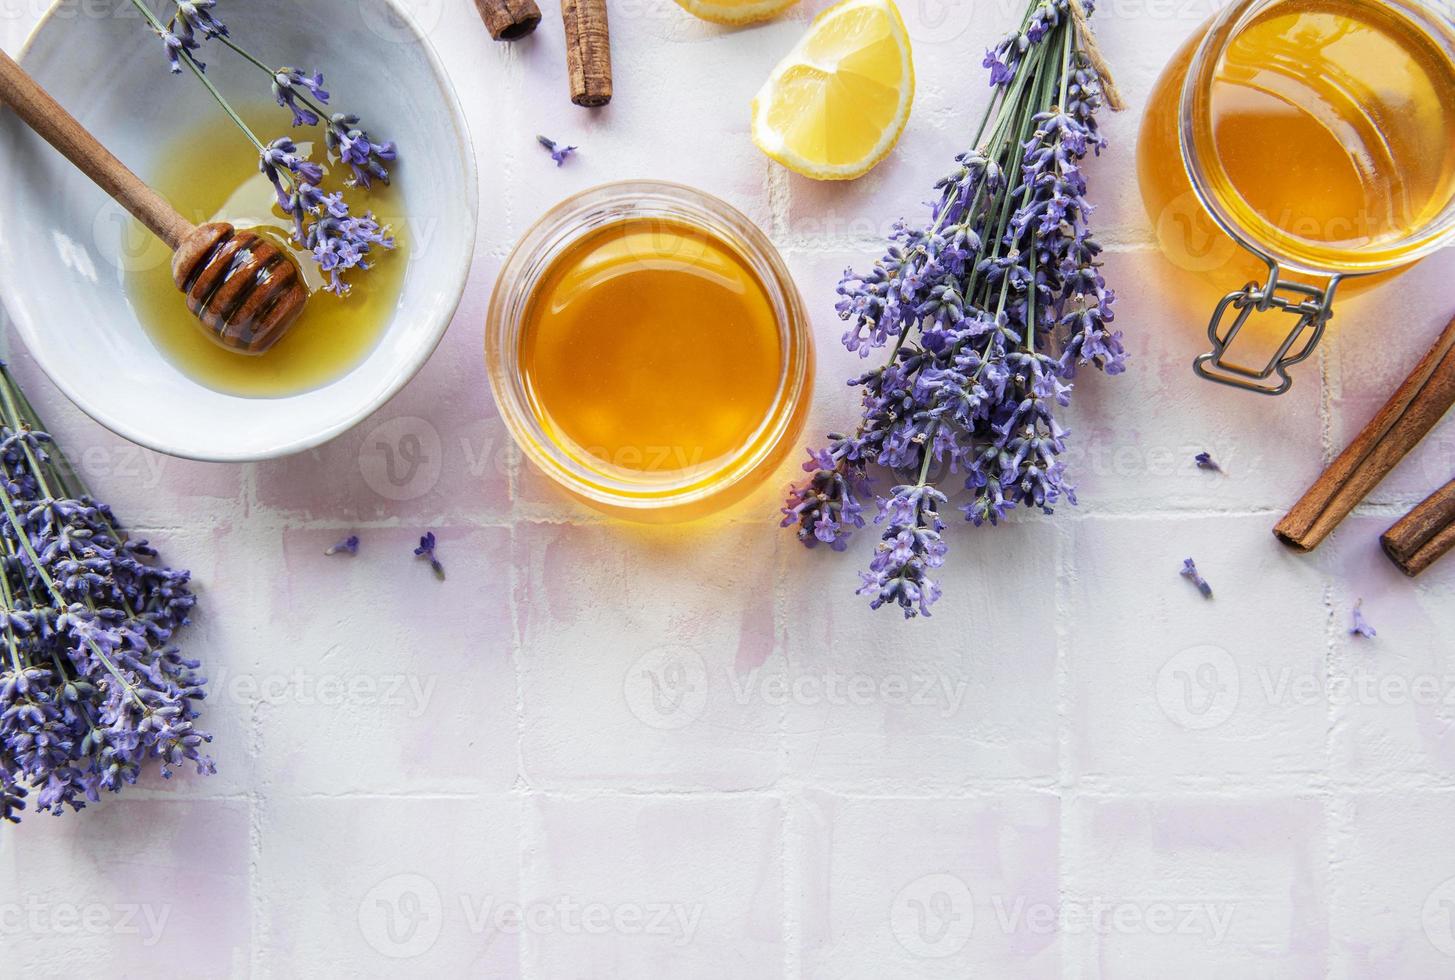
point(348, 546)
point(338, 240)
point(426, 551)
point(987, 312)
point(353, 146)
point(1361, 625)
point(558, 153)
point(92, 686)
point(289, 86)
point(1190, 572)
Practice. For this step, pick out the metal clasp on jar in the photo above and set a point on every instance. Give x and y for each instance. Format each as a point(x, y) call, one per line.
point(1311, 307)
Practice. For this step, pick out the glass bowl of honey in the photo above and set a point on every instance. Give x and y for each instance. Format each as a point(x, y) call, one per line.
point(649, 351)
point(1299, 147)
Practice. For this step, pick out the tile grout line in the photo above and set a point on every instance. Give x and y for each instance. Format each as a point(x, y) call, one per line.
point(778, 190)
point(247, 505)
point(528, 841)
point(1332, 797)
point(1066, 792)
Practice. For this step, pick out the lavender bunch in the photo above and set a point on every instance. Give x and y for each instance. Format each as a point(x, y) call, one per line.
point(338, 240)
point(987, 311)
point(92, 687)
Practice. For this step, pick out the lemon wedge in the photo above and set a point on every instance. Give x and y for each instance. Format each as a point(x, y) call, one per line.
point(735, 11)
point(836, 105)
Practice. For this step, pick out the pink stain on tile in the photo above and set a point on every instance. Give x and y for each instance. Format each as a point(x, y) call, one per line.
point(1248, 878)
point(420, 884)
point(131, 881)
point(936, 888)
point(648, 872)
point(394, 663)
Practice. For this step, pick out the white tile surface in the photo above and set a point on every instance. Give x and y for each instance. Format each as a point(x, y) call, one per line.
point(601, 751)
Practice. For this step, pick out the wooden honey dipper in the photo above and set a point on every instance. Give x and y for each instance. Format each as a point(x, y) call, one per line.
point(245, 290)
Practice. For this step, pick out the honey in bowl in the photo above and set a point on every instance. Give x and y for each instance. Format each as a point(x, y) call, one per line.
point(212, 175)
point(649, 351)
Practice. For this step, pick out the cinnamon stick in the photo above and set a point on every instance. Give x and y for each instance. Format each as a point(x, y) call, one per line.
point(509, 20)
point(588, 51)
point(1406, 418)
point(1425, 534)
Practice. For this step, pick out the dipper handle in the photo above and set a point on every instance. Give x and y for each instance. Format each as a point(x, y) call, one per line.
point(60, 129)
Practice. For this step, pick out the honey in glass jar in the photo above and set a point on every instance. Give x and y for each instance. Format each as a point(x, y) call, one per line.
point(649, 351)
point(1296, 145)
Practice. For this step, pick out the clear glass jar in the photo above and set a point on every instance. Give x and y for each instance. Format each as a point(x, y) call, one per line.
point(640, 492)
point(1300, 146)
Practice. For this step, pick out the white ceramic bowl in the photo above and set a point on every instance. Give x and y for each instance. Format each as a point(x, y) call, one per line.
point(61, 239)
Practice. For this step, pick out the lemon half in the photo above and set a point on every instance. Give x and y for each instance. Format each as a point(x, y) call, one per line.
point(836, 105)
point(735, 11)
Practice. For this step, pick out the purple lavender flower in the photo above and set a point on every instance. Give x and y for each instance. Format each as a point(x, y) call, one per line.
point(196, 16)
point(988, 311)
point(180, 37)
point(180, 46)
point(1206, 462)
point(1190, 572)
point(826, 509)
point(353, 146)
point(426, 551)
point(341, 241)
point(322, 223)
point(288, 87)
point(908, 549)
point(349, 545)
point(1361, 625)
point(558, 153)
point(92, 685)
